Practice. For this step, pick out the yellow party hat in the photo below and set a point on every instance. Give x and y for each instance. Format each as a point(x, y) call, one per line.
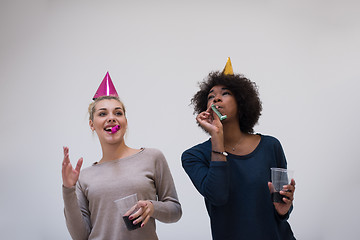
point(228, 70)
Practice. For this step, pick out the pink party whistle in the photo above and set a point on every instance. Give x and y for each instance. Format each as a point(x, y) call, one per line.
point(115, 129)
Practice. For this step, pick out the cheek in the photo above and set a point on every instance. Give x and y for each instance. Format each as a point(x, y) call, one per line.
point(123, 123)
point(98, 124)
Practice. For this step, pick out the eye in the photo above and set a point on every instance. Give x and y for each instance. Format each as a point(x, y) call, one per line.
point(119, 113)
point(101, 114)
point(226, 93)
point(210, 97)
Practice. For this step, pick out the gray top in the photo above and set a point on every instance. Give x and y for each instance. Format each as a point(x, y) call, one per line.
point(90, 211)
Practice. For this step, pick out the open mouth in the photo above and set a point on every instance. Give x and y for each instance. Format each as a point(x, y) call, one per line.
point(112, 129)
point(108, 129)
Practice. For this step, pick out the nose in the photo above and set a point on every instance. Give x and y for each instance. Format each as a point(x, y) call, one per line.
point(111, 118)
point(217, 98)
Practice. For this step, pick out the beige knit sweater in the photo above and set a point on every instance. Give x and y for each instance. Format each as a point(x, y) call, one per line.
point(90, 211)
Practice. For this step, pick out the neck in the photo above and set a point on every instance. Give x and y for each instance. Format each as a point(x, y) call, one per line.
point(112, 152)
point(233, 135)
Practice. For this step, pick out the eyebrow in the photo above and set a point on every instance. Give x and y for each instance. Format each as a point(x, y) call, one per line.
point(104, 109)
point(224, 88)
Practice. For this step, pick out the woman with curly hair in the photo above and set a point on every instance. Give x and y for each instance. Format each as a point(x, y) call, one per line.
point(232, 169)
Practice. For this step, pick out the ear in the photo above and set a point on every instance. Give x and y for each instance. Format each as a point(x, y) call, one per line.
point(91, 124)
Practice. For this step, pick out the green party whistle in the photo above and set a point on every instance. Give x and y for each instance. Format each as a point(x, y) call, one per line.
point(218, 113)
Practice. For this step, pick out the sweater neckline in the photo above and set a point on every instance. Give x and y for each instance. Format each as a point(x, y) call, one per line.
point(249, 155)
point(119, 159)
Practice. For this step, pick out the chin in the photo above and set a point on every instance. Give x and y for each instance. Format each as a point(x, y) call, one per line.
point(111, 140)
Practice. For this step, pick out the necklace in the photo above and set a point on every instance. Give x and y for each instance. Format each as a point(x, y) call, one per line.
point(234, 147)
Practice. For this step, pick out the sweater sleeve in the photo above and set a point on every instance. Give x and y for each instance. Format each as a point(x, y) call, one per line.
point(167, 208)
point(211, 178)
point(77, 218)
point(281, 163)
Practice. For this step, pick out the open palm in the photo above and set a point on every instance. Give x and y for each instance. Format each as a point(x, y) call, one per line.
point(69, 174)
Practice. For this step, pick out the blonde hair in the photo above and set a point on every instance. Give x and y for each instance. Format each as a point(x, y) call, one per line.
point(92, 105)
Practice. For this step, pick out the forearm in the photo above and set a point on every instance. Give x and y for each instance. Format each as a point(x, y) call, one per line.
point(217, 146)
point(211, 178)
point(215, 186)
point(78, 227)
point(167, 211)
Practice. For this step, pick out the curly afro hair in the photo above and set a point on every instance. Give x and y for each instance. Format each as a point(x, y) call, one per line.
point(245, 92)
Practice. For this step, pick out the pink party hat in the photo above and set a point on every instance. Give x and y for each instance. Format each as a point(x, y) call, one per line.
point(106, 88)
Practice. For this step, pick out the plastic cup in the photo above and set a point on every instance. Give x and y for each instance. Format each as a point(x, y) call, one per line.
point(124, 205)
point(279, 178)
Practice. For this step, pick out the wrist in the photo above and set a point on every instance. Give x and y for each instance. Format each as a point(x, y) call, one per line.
point(221, 153)
point(67, 185)
point(217, 141)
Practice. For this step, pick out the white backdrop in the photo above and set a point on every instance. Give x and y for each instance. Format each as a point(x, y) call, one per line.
point(304, 56)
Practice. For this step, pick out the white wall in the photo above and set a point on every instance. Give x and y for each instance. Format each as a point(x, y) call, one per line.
point(304, 55)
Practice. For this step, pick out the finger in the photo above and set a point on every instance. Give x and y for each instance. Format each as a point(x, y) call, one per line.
point(68, 169)
point(287, 195)
point(66, 159)
point(66, 173)
point(292, 182)
point(130, 211)
point(209, 109)
point(66, 150)
point(271, 187)
point(287, 200)
point(66, 155)
point(203, 116)
point(63, 169)
point(289, 188)
point(79, 164)
point(136, 210)
point(287, 191)
point(142, 203)
point(145, 216)
point(145, 221)
point(64, 165)
point(139, 219)
point(142, 211)
point(138, 216)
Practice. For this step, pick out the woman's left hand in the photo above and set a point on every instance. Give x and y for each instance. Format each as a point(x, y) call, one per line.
point(288, 193)
point(146, 210)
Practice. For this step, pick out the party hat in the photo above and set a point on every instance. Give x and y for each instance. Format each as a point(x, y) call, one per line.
point(106, 88)
point(228, 70)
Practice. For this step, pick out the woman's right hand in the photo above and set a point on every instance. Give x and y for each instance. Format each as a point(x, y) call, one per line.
point(69, 174)
point(210, 122)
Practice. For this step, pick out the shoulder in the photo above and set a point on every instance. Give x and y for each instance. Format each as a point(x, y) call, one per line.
point(200, 147)
point(153, 155)
point(203, 148)
point(89, 169)
point(153, 152)
point(272, 144)
point(88, 173)
point(270, 140)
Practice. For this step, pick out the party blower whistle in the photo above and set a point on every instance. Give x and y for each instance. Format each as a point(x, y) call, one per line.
point(222, 117)
point(115, 129)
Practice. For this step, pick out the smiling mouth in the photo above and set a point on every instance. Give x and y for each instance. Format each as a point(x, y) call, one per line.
point(113, 129)
point(108, 129)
